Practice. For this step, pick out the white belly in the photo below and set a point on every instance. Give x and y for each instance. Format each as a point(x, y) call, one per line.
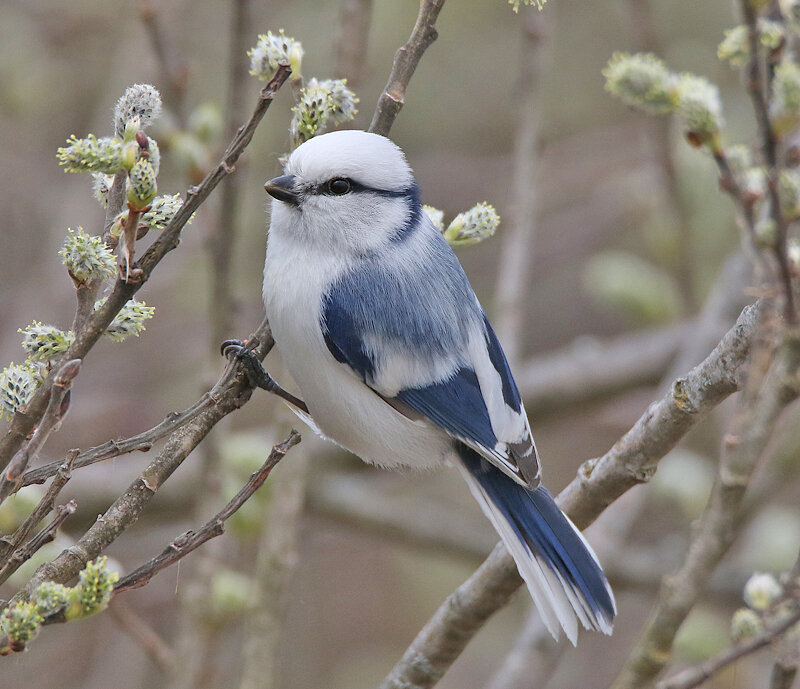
point(343, 407)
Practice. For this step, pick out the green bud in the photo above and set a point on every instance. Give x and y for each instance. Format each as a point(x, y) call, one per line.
point(91, 155)
point(700, 109)
point(50, 597)
point(21, 623)
point(17, 385)
point(162, 210)
point(766, 234)
point(143, 185)
point(754, 182)
point(740, 158)
point(641, 80)
point(93, 590)
point(206, 122)
point(129, 321)
point(342, 100)
point(436, 216)
point(745, 625)
point(86, 257)
point(472, 226)
point(785, 105)
point(735, 47)
point(231, 593)
point(141, 101)
point(44, 342)
point(761, 591)
point(311, 112)
point(516, 3)
point(101, 185)
point(789, 188)
point(270, 50)
point(130, 154)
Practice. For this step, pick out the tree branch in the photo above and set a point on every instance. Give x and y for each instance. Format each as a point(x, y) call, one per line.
point(695, 676)
point(718, 526)
point(24, 421)
point(191, 540)
point(599, 482)
point(405, 63)
point(230, 393)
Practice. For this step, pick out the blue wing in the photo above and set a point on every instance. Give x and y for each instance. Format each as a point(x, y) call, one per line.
point(414, 332)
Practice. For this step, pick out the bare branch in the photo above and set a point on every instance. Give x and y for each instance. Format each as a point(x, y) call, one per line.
point(631, 461)
point(191, 540)
point(695, 676)
point(717, 528)
point(769, 144)
point(23, 422)
point(57, 406)
point(405, 63)
point(229, 394)
point(9, 544)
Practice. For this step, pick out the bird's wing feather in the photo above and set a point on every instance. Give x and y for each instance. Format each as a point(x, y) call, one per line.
point(418, 337)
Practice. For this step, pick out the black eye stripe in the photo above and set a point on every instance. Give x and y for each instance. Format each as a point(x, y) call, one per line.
point(357, 188)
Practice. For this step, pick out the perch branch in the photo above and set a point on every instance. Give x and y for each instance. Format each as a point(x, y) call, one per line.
point(405, 63)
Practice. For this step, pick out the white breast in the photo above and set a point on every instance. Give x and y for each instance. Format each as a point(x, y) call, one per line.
point(343, 407)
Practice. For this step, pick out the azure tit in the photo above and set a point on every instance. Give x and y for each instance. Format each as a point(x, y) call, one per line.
point(397, 362)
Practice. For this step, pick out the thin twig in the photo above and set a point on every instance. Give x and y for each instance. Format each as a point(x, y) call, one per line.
point(191, 540)
point(631, 461)
point(24, 421)
point(45, 536)
point(695, 676)
point(9, 544)
point(782, 676)
point(769, 146)
point(405, 63)
point(229, 394)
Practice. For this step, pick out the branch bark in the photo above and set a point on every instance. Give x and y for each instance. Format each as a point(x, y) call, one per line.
point(405, 64)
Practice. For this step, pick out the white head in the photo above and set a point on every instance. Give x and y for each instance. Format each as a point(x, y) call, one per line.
point(347, 192)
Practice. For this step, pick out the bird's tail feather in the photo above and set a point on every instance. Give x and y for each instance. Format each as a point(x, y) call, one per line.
point(558, 565)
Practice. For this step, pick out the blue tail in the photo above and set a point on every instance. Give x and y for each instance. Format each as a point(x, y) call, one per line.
point(562, 573)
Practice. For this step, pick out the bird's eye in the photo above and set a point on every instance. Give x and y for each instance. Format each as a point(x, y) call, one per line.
point(338, 186)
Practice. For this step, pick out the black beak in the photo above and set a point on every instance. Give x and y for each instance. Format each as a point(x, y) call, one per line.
point(282, 188)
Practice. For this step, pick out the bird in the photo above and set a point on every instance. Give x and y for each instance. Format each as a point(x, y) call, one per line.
point(397, 362)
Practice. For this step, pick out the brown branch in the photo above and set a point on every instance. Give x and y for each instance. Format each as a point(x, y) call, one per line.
point(57, 406)
point(230, 393)
point(718, 526)
point(191, 540)
point(695, 676)
point(114, 448)
point(755, 88)
point(630, 462)
point(9, 544)
point(405, 63)
point(45, 536)
point(23, 422)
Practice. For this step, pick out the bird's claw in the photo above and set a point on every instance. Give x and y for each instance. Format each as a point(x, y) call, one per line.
point(257, 377)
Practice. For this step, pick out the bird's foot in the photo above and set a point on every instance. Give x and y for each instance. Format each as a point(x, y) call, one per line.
point(256, 375)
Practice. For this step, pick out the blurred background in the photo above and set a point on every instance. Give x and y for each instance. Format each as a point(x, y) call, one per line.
point(625, 239)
